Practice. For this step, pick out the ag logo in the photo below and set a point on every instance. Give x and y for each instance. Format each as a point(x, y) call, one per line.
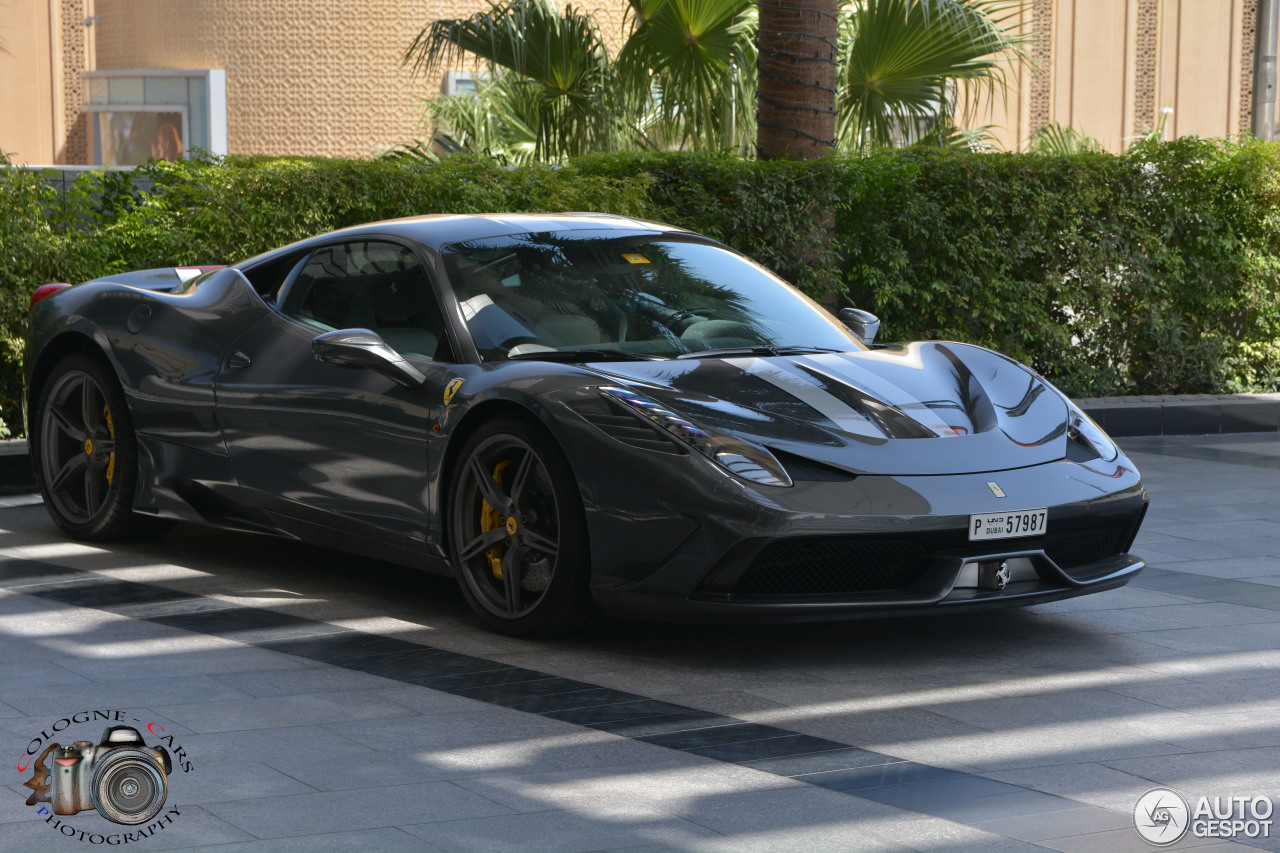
point(1161, 816)
point(451, 389)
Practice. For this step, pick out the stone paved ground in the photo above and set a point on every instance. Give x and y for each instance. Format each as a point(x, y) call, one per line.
point(326, 704)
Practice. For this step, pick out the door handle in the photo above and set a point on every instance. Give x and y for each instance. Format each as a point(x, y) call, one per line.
point(238, 360)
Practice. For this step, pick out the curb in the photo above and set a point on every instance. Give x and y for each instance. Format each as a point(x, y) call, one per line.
point(1188, 414)
point(15, 466)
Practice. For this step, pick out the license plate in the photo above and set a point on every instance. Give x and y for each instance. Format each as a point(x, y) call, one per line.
point(1007, 525)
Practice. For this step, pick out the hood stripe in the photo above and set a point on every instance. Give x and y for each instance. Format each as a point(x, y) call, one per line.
point(806, 391)
point(868, 382)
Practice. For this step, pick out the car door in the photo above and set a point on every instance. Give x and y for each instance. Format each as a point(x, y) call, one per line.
point(333, 452)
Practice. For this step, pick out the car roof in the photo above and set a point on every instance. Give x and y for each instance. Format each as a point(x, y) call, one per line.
point(439, 230)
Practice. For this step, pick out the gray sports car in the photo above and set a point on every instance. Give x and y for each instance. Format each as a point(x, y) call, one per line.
point(572, 414)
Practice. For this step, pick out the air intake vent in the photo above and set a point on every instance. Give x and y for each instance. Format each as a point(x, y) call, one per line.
point(1089, 542)
point(621, 425)
point(1079, 451)
point(801, 468)
point(831, 565)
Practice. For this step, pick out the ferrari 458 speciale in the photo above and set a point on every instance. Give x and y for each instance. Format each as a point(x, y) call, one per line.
point(572, 414)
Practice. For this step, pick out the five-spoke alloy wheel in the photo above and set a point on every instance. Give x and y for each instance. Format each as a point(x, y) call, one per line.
point(517, 531)
point(86, 457)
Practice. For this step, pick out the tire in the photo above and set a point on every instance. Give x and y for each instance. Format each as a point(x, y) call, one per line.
point(517, 532)
point(86, 453)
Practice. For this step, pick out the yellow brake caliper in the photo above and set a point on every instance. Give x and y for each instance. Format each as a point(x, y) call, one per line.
point(491, 519)
point(111, 430)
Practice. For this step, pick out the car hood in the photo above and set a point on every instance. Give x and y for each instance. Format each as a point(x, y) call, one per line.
point(919, 408)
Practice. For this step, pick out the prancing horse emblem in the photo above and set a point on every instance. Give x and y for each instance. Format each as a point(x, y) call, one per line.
point(995, 489)
point(1003, 576)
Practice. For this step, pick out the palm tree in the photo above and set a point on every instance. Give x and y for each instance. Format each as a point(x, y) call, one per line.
point(684, 76)
point(905, 65)
point(795, 104)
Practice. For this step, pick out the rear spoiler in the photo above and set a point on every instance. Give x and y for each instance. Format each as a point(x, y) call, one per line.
point(166, 278)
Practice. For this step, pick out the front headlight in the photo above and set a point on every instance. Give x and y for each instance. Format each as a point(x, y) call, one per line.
point(739, 458)
point(1080, 427)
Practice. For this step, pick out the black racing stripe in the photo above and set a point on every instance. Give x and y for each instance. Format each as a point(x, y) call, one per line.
point(826, 763)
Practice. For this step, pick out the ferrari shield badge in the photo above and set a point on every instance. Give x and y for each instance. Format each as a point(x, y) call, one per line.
point(993, 486)
point(451, 389)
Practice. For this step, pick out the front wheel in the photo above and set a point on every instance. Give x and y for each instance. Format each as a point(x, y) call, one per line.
point(85, 452)
point(517, 532)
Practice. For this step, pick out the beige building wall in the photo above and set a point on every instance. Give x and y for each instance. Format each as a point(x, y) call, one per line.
point(46, 46)
point(1111, 69)
point(28, 126)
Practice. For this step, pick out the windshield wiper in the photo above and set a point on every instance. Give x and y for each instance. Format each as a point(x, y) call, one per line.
point(759, 349)
point(585, 355)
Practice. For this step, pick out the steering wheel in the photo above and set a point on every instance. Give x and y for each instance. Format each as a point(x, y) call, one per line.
point(516, 340)
point(687, 315)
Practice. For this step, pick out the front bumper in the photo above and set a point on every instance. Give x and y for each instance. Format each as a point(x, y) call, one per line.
point(759, 565)
point(1048, 584)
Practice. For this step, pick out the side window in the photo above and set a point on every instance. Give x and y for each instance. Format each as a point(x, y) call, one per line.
point(268, 278)
point(370, 285)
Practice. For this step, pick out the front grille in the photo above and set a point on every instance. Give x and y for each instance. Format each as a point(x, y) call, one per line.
point(831, 565)
point(1088, 542)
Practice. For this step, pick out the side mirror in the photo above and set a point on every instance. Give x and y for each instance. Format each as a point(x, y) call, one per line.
point(363, 348)
point(864, 324)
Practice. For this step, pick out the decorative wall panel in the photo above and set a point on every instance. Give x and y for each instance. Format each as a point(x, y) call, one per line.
point(313, 77)
point(1248, 46)
point(1146, 56)
point(1042, 75)
point(75, 59)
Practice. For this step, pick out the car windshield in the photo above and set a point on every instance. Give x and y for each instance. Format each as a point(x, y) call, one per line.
point(610, 294)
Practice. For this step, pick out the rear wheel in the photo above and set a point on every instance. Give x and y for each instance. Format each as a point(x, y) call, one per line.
point(517, 532)
point(86, 455)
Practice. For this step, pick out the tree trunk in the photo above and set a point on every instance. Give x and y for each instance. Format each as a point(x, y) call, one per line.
point(796, 104)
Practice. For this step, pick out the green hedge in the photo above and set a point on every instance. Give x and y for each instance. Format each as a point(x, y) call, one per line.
point(1153, 272)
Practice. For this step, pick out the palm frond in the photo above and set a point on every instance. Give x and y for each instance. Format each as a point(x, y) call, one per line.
point(498, 118)
point(903, 62)
point(697, 58)
point(1059, 140)
point(417, 151)
point(562, 53)
point(947, 135)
